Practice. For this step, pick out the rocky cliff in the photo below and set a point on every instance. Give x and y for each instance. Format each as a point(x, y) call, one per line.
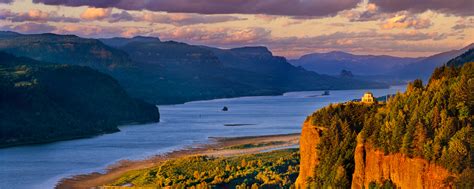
point(422, 138)
point(309, 157)
point(374, 166)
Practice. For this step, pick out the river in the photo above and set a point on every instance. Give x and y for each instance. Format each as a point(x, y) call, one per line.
point(42, 166)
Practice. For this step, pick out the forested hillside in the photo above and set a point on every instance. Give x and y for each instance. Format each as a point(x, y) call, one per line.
point(432, 122)
point(460, 60)
point(42, 102)
point(168, 72)
point(65, 49)
point(191, 72)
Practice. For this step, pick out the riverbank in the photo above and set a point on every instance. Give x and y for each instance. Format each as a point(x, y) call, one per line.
point(67, 138)
point(219, 147)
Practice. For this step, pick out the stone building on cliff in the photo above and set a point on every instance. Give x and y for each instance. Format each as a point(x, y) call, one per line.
point(368, 98)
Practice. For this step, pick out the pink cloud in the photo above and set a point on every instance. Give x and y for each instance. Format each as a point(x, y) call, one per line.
point(456, 7)
point(95, 13)
point(101, 31)
point(217, 36)
point(463, 23)
point(369, 13)
point(180, 19)
point(403, 21)
point(273, 7)
point(34, 15)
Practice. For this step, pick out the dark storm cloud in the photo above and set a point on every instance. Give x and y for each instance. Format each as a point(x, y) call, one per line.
point(273, 7)
point(455, 7)
point(6, 1)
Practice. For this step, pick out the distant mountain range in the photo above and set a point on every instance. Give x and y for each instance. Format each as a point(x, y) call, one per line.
point(423, 68)
point(381, 68)
point(333, 62)
point(166, 72)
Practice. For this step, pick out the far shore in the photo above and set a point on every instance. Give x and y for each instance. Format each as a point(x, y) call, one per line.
point(219, 147)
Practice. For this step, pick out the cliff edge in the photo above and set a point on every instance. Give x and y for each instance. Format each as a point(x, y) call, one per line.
point(373, 166)
point(308, 154)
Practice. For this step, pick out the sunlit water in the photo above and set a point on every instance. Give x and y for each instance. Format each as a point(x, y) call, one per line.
point(42, 166)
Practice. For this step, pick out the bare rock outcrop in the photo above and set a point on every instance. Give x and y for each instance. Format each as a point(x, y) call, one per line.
point(308, 155)
point(372, 165)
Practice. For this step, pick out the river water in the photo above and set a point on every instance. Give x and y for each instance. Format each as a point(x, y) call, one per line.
point(42, 166)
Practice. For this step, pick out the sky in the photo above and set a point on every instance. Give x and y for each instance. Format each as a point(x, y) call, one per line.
point(290, 28)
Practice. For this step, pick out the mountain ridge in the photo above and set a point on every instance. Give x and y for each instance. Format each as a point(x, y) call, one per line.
point(169, 72)
point(423, 68)
point(251, 67)
point(333, 62)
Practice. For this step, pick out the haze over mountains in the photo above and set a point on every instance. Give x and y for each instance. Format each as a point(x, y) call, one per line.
point(423, 68)
point(333, 62)
point(381, 68)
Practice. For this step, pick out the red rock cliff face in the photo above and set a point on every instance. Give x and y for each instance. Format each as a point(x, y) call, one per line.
point(308, 154)
point(372, 165)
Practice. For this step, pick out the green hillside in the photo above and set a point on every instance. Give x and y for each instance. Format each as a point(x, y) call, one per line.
point(190, 72)
point(277, 169)
point(43, 102)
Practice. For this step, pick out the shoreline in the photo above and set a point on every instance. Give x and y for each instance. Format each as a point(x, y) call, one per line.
point(218, 147)
point(274, 95)
point(158, 105)
point(77, 137)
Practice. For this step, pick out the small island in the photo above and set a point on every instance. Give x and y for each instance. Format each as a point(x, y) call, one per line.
point(225, 109)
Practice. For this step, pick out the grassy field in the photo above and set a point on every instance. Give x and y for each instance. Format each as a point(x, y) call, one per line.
point(277, 169)
point(251, 145)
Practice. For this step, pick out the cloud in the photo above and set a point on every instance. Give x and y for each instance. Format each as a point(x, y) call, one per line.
point(217, 36)
point(101, 31)
point(370, 12)
point(404, 43)
point(35, 15)
point(6, 1)
point(403, 21)
point(122, 16)
point(400, 19)
point(410, 42)
point(463, 24)
point(455, 7)
point(95, 13)
point(273, 7)
point(177, 19)
point(267, 18)
point(30, 28)
point(180, 19)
